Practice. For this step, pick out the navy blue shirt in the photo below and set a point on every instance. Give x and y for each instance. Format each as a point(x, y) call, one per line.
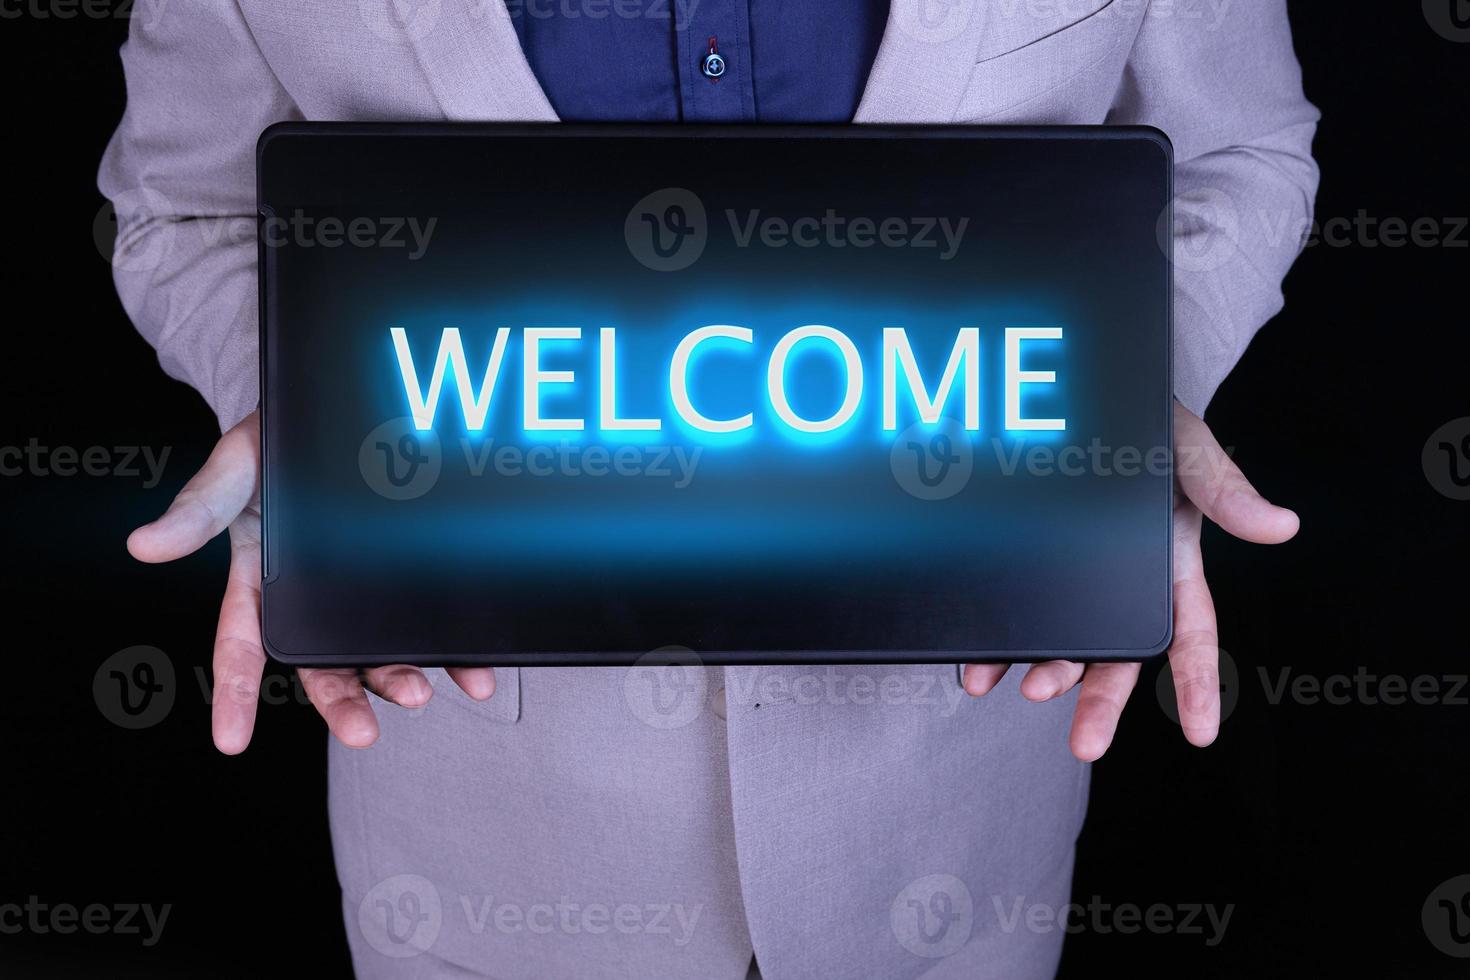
point(645, 60)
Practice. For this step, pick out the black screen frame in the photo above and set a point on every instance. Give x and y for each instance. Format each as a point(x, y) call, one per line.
point(269, 320)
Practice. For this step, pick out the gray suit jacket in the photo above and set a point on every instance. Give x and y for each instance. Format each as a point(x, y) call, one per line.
point(662, 822)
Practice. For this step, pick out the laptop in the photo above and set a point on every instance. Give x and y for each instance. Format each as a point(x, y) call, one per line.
point(556, 395)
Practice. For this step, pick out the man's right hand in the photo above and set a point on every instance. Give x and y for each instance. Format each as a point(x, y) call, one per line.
point(226, 494)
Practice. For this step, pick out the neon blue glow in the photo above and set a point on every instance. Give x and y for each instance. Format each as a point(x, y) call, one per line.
point(816, 383)
point(758, 494)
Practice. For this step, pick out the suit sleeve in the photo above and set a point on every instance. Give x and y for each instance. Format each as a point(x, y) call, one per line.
point(1223, 81)
point(180, 173)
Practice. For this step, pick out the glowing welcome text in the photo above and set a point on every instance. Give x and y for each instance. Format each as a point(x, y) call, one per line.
point(962, 370)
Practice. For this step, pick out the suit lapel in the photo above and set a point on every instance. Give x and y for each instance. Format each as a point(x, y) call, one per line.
point(474, 62)
point(477, 70)
point(924, 60)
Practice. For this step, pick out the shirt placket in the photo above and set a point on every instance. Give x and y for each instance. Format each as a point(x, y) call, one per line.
point(718, 90)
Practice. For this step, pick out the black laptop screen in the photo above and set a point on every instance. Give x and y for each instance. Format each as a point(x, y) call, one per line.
point(564, 392)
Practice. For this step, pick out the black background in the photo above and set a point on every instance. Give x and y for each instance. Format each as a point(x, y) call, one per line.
point(1325, 825)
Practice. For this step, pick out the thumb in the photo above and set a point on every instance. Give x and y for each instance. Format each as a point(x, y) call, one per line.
point(209, 502)
point(1214, 484)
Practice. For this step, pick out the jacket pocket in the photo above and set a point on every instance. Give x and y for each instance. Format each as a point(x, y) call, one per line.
point(1011, 25)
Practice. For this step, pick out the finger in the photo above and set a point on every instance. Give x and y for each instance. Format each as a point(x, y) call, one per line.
point(1212, 481)
point(1105, 690)
point(239, 660)
point(477, 682)
point(1053, 678)
point(980, 679)
point(208, 502)
point(1194, 656)
point(403, 685)
point(342, 702)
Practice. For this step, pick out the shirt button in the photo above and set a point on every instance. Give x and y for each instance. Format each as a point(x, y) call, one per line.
point(718, 706)
point(714, 65)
